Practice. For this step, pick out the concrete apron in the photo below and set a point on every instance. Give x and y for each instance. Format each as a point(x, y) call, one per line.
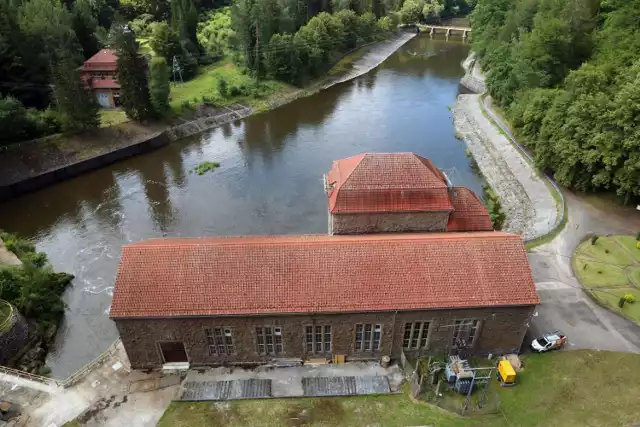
point(349, 379)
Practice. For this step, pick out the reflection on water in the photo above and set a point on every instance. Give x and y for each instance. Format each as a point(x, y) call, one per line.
point(269, 181)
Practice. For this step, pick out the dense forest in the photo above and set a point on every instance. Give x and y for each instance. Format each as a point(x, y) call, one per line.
point(44, 42)
point(567, 73)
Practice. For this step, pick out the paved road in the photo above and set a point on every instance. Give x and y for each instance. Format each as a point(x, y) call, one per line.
point(564, 304)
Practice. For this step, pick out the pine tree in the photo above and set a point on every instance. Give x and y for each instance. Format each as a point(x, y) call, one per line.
point(159, 85)
point(77, 106)
point(132, 75)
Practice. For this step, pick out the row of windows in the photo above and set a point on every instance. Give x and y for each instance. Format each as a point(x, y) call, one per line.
point(318, 338)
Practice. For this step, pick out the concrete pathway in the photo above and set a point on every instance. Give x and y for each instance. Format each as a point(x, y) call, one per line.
point(530, 208)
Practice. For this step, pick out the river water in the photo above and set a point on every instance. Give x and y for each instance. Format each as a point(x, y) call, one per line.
point(269, 182)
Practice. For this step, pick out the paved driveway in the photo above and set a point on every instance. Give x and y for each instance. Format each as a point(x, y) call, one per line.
point(564, 305)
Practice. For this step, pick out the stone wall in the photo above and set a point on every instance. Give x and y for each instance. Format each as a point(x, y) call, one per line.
point(13, 335)
point(69, 171)
point(387, 222)
point(501, 330)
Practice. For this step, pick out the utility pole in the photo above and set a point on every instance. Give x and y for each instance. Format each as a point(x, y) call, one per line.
point(257, 58)
point(175, 68)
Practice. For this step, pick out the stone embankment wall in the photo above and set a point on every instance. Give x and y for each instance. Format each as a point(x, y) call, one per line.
point(527, 201)
point(14, 333)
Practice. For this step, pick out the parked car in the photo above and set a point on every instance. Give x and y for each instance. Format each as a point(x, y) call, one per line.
point(548, 342)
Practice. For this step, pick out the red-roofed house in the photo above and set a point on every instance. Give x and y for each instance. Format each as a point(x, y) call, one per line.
point(397, 192)
point(257, 299)
point(100, 75)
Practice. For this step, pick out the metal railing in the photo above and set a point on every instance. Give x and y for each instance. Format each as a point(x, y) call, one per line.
point(69, 381)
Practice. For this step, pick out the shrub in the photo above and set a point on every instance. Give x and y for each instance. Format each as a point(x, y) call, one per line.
point(629, 298)
point(638, 236)
point(223, 87)
point(621, 302)
point(594, 239)
point(235, 91)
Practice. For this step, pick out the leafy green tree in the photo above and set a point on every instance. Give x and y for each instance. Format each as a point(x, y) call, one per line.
point(411, 11)
point(432, 11)
point(351, 24)
point(282, 59)
point(132, 75)
point(216, 35)
point(367, 26)
point(77, 106)
point(184, 21)
point(15, 124)
point(159, 85)
point(165, 41)
point(385, 24)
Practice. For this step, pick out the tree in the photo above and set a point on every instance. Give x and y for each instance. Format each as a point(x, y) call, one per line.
point(367, 26)
point(411, 11)
point(184, 20)
point(282, 59)
point(85, 26)
point(159, 85)
point(385, 24)
point(132, 75)
point(165, 41)
point(432, 11)
point(15, 124)
point(351, 24)
point(78, 107)
point(216, 35)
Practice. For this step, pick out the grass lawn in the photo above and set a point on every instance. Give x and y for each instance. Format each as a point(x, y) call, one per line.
point(111, 117)
point(205, 84)
point(629, 244)
point(610, 297)
point(569, 389)
point(606, 250)
point(634, 273)
point(596, 274)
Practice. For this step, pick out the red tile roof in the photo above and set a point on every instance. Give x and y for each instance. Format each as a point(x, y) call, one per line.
point(321, 274)
point(105, 59)
point(469, 214)
point(386, 182)
point(106, 83)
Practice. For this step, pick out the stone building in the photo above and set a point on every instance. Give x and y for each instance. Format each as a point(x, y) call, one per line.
point(398, 192)
point(100, 75)
point(232, 300)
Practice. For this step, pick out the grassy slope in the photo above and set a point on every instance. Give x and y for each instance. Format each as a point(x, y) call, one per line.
point(205, 84)
point(568, 389)
point(606, 278)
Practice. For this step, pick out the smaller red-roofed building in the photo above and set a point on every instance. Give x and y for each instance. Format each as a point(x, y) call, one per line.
point(100, 75)
point(398, 192)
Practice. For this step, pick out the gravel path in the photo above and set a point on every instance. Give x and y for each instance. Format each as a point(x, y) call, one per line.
point(528, 203)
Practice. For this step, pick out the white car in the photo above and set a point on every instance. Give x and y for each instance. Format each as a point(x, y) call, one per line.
point(548, 342)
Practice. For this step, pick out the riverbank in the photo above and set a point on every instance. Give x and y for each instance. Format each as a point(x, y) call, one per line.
point(34, 164)
point(526, 199)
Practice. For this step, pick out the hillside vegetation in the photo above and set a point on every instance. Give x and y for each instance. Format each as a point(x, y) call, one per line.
point(567, 73)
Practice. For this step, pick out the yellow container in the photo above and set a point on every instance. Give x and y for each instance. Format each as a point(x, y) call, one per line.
point(506, 372)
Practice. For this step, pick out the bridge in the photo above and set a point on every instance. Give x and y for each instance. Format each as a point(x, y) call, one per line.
point(434, 29)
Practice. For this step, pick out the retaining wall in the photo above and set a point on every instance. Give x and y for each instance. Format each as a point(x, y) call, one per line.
point(51, 177)
point(15, 337)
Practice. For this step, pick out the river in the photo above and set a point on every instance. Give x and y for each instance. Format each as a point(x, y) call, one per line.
point(269, 181)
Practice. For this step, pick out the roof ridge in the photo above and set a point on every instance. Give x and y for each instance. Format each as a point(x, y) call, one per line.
point(341, 239)
point(346, 179)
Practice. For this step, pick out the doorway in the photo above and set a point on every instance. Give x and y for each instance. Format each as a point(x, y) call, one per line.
point(173, 352)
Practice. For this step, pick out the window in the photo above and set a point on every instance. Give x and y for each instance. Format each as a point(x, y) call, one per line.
point(368, 337)
point(465, 332)
point(318, 339)
point(220, 341)
point(416, 335)
point(269, 340)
